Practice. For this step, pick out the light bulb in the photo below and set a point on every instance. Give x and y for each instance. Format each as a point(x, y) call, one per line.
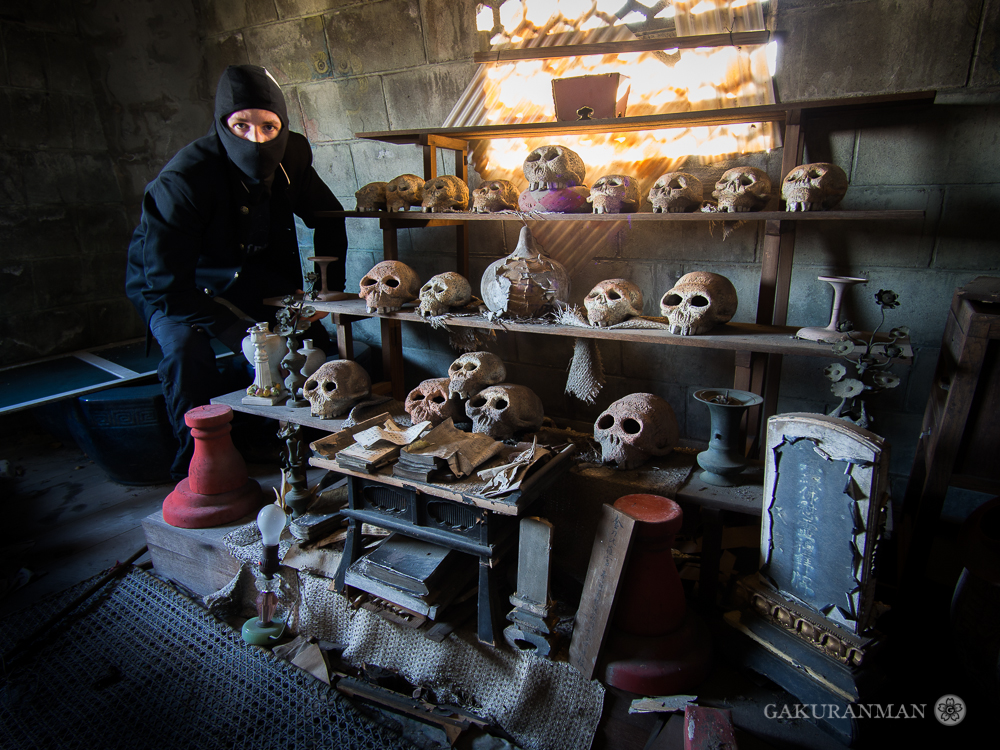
point(271, 522)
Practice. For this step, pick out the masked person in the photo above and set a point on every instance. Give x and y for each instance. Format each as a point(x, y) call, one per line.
point(217, 236)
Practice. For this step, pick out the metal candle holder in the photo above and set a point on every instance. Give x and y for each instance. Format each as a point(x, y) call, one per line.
point(723, 462)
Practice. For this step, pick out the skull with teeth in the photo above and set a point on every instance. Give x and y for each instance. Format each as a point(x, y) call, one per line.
point(553, 168)
point(474, 371)
point(814, 187)
point(445, 193)
point(743, 189)
point(404, 191)
point(388, 285)
point(444, 291)
point(612, 301)
point(698, 302)
point(432, 401)
point(371, 197)
point(676, 192)
point(493, 196)
point(615, 194)
point(502, 410)
point(335, 387)
point(635, 428)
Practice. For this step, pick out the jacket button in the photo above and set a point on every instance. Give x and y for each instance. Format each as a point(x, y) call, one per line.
point(236, 275)
point(242, 246)
point(244, 210)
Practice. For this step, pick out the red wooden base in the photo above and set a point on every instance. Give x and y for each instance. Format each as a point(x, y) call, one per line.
point(188, 509)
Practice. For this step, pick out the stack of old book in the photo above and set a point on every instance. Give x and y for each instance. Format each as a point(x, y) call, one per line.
point(422, 467)
point(417, 576)
point(377, 446)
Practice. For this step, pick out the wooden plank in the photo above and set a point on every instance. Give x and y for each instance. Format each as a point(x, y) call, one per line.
point(195, 558)
point(299, 415)
point(729, 116)
point(441, 141)
point(430, 160)
point(417, 219)
point(736, 39)
point(608, 559)
point(392, 356)
point(345, 335)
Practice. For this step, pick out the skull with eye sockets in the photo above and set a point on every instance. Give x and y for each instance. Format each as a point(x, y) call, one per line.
point(335, 387)
point(635, 428)
point(432, 401)
point(613, 301)
point(503, 410)
point(474, 371)
point(443, 292)
point(404, 191)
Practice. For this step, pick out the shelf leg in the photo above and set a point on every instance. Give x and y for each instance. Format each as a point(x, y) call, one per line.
point(345, 335)
point(392, 356)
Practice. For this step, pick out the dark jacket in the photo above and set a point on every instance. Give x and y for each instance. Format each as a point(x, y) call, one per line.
point(207, 231)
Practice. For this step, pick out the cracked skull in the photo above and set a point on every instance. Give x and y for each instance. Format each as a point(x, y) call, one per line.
point(432, 401)
point(371, 197)
point(553, 168)
point(444, 291)
point(698, 302)
point(335, 387)
point(502, 410)
point(474, 371)
point(615, 194)
point(743, 189)
point(814, 187)
point(676, 192)
point(612, 301)
point(445, 193)
point(495, 195)
point(388, 285)
point(635, 428)
point(404, 191)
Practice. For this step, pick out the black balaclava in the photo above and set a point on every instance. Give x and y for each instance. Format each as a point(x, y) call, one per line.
point(250, 87)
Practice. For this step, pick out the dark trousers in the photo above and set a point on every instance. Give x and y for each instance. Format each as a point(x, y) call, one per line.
point(190, 377)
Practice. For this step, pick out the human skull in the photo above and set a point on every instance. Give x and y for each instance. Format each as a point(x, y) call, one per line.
point(615, 194)
point(404, 191)
point(493, 196)
point(676, 192)
point(388, 285)
point(743, 189)
point(371, 197)
point(501, 410)
point(335, 387)
point(634, 428)
point(432, 401)
point(612, 301)
point(474, 371)
point(698, 302)
point(445, 193)
point(444, 291)
point(813, 187)
point(553, 168)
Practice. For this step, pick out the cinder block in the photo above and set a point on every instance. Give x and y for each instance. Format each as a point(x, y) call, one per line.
point(683, 365)
point(374, 37)
point(293, 51)
point(95, 180)
point(101, 227)
point(965, 239)
point(37, 232)
point(375, 161)
point(363, 234)
point(113, 320)
point(25, 52)
point(921, 379)
point(11, 179)
point(878, 40)
point(58, 331)
point(47, 15)
point(359, 262)
point(687, 242)
point(40, 118)
point(337, 109)
point(293, 8)
point(423, 97)
point(218, 16)
point(449, 29)
point(423, 364)
point(219, 52)
point(334, 165)
point(17, 287)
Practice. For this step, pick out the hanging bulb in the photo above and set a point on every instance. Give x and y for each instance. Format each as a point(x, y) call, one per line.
point(271, 522)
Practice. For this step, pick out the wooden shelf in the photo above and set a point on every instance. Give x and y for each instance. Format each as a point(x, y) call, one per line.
point(301, 415)
point(405, 219)
point(747, 337)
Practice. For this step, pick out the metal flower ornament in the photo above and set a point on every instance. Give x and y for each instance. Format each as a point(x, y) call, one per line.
point(871, 360)
point(295, 314)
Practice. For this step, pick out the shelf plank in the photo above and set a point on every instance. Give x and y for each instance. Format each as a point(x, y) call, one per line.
point(730, 337)
point(414, 219)
point(301, 415)
point(728, 116)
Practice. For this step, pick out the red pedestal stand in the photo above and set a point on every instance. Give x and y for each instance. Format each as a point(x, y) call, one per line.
point(217, 489)
point(654, 646)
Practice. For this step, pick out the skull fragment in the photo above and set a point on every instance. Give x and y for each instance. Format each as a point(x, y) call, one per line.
point(445, 193)
point(371, 197)
point(743, 189)
point(432, 401)
point(493, 196)
point(553, 168)
point(615, 194)
point(676, 192)
point(814, 187)
point(698, 302)
point(404, 191)
point(635, 428)
point(388, 285)
point(612, 301)
point(335, 387)
point(474, 371)
point(526, 283)
point(502, 410)
point(444, 291)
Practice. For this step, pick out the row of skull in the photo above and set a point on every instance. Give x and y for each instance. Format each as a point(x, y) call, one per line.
point(555, 177)
point(698, 302)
